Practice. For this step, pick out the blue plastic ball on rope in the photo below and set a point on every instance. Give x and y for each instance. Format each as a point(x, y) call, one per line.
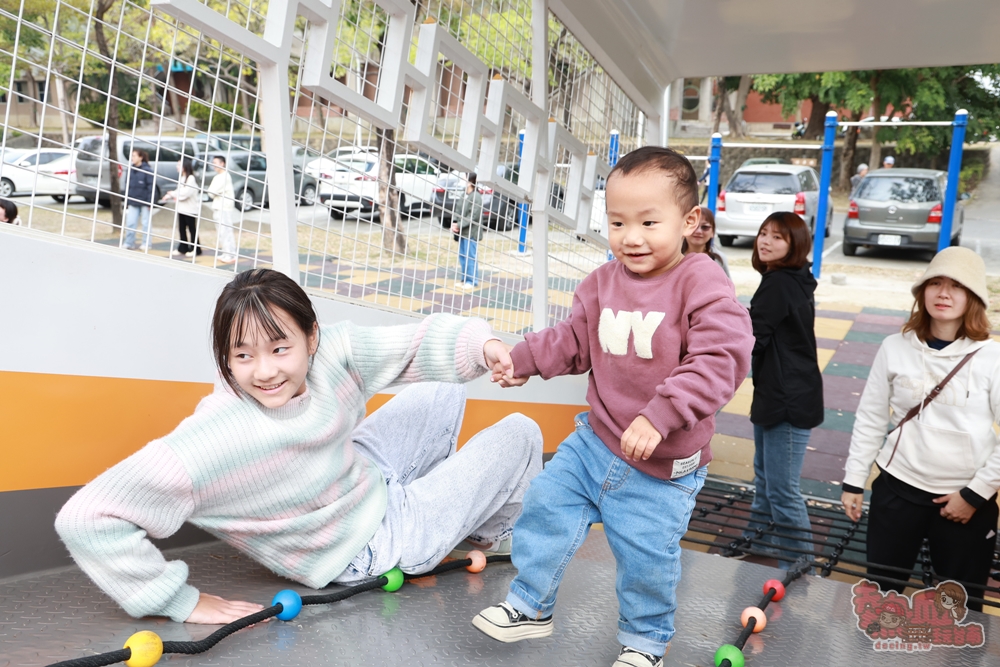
point(395, 577)
point(291, 604)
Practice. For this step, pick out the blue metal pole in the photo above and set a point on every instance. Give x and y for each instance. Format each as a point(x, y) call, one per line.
point(522, 207)
point(614, 148)
point(713, 171)
point(825, 172)
point(954, 168)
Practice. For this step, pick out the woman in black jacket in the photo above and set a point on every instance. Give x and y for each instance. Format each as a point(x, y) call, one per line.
point(788, 387)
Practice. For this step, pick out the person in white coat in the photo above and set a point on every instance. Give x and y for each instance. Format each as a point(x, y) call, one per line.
point(188, 198)
point(938, 473)
point(223, 209)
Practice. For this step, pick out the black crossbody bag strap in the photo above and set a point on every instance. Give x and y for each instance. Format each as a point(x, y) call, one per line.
point(915, 410)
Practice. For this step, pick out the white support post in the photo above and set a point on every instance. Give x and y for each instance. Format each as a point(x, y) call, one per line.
point(540, 219)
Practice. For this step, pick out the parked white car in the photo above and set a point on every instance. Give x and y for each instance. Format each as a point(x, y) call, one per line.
point(757, 191)
point(25, 172)
point(351, 182)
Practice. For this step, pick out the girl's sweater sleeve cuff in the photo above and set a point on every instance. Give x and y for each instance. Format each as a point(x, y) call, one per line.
point(978, 488)
point(470, 361)
point(850, 488)
point(182, 604)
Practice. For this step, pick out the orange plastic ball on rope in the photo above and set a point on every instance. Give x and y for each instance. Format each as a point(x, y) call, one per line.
point(779, 589)
point(755, 613)
point(478, 559)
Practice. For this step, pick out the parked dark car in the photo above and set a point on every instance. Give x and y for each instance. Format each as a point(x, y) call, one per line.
point(249, 174)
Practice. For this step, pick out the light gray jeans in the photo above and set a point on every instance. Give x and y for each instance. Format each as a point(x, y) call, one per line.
point(439, 496)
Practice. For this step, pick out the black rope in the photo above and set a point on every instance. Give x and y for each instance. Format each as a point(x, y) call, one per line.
point(200, 646)
point(101, 660)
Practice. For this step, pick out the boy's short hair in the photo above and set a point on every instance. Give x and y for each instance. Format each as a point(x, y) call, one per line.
point(669, 161)
point(220, 158)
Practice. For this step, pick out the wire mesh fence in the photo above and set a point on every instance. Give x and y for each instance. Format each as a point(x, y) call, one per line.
point(90, 87)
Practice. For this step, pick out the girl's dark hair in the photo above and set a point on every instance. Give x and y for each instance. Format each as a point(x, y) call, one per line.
point(247, 303)
point(975, 323)
point(9, 209)
point(472, 178)
point(187, 167)
point(709, 217)
point(794, 230)
point(143, 155)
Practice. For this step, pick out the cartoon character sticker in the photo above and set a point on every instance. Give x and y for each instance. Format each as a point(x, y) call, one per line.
point(928, 618)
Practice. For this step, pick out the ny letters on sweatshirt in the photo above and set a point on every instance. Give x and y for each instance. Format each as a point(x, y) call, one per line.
point(614, 329)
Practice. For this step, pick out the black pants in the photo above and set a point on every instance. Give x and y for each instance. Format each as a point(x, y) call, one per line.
point(187, 228)
point(897, 527)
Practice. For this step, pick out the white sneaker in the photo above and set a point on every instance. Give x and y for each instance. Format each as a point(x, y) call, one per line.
point(176, 253)
point(462, 549)
point(505, 624)
point(630, 657)
point(189, 254)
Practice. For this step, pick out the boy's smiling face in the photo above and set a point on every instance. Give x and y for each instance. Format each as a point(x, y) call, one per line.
point(646, 227)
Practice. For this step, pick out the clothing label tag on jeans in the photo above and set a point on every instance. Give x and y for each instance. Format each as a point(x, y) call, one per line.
point(686, 466)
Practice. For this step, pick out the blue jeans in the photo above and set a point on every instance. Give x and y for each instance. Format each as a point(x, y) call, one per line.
point(132, 215)
point(468, 271)
point(777, 466)
point(644, 519)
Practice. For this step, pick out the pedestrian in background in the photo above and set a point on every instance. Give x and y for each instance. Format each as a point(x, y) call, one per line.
point(188, 199)
point(888, 162)
point(702, 239)
point(939, 465)
point(223, 209)
point(469, 227)
point(139, 200)
point(8, 212)
point(856, 178)
point(706, 178)
point(787, 385)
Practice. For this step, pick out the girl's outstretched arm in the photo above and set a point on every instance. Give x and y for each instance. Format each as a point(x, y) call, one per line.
point(440, 348)
point(106, 526)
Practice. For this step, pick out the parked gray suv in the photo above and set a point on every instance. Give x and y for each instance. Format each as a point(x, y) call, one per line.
point(899, 208)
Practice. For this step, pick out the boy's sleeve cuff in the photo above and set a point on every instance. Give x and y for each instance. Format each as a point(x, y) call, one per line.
point(663, 416)
point(524, 361)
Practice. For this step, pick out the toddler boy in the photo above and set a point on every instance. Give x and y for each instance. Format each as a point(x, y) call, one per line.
point(666, 344)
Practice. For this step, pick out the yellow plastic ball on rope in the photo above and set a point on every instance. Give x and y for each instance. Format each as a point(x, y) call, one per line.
point(146, 647)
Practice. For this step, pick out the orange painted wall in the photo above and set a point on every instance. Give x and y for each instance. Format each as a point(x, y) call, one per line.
point(64, 430)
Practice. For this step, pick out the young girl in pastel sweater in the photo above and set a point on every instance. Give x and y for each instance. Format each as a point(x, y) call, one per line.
point(278, 463)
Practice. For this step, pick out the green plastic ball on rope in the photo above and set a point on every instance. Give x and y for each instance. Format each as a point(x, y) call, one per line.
point(730, 653)
point(395, 577)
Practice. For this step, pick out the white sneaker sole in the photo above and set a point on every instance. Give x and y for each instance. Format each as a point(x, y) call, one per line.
point(508, 634)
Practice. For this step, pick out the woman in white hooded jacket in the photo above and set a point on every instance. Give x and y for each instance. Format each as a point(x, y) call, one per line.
point(939, 473)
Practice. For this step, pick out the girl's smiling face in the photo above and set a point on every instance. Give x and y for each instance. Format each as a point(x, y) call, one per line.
point(273, 368)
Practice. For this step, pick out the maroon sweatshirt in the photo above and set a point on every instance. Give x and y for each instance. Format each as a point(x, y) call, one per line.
point(673, 348)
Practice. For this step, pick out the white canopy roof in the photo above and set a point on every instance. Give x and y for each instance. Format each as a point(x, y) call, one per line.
point(646, 44)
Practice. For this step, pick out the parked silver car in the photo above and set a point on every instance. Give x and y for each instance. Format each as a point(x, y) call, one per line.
point(899, 208)
point(757, 191)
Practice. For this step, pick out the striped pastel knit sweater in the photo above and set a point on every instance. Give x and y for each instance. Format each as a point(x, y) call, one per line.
point(284, 486)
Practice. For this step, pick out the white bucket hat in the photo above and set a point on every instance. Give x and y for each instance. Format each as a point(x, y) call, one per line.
point(961, 265)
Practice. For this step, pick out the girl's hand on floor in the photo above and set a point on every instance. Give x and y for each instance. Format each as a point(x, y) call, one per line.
point(640, 439)
point(852, 504)
point(213, 610)
point(956, 508)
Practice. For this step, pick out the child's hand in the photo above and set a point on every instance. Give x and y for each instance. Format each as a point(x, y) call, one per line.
point(497, 355)
point(640, 439)
point(213, 610)
point(852, 504)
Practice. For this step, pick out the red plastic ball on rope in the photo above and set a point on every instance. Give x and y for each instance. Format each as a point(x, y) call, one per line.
point(478, 559)
point(779, 589)
point(760, 619)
